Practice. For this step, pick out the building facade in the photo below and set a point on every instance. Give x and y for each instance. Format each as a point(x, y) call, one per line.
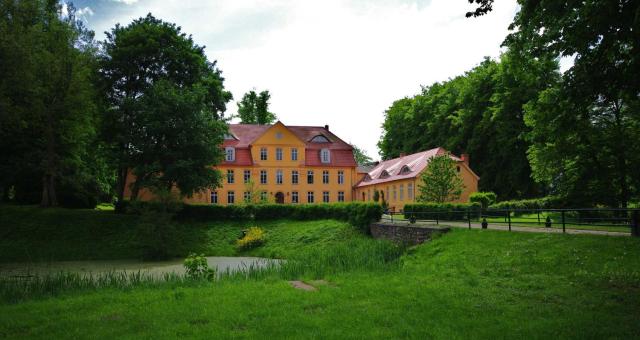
point(397, 180)
point(281, 164)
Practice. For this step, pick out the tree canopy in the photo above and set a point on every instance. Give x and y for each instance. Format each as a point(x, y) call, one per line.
point(361, 156)
point(479, 113)
point(49, 106)
point(584, 131)
point(166, 106)
point(440, 181)
point(253, 108)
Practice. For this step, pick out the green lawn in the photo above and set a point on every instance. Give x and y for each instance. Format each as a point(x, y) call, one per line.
point(465, 284)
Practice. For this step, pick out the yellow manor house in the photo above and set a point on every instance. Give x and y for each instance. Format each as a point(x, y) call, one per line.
point(309, 164)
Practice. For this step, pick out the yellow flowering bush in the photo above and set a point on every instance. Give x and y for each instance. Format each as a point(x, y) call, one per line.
point(253, 237)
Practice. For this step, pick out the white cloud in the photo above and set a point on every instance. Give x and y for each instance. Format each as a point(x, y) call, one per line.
point(85, 11)
point(334, 62)
point(126, 2)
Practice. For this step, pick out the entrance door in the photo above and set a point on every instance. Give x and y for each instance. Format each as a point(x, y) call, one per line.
point(279, 197)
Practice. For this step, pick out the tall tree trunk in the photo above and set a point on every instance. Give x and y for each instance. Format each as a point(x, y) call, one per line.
point(122, 183)
point(621, 156)
point(49, 197)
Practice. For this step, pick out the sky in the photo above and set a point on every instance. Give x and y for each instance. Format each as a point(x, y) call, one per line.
point(330, 62)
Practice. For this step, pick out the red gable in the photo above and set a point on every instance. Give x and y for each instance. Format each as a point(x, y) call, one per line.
point(243, 135)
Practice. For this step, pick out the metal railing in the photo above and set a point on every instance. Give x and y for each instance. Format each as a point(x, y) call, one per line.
point(604, 219)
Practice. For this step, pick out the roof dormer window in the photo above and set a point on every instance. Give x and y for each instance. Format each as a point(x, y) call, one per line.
point(325, 156)
point(229, 154)
point(228, 136)
point(405, 170)
point(384, 174)
point(320, 139)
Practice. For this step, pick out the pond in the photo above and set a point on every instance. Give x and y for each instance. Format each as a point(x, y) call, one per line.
point(154, 268)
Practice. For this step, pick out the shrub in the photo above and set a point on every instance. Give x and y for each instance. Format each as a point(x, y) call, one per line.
point(440, 211)
point(530, 204)
point(358, 214)
point(253, 237)
point(196, 267)
point(484, 198)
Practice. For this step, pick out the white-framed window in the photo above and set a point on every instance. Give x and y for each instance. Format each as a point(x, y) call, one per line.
point(263, 154)
point(368, 194)
point(395, 193)
point(231, 197)
point(230, 176)
point(309, 196)
point(410, 191)
point(340, 196)
point(263, 176)
point(294, 177)
point(325, 196)
point(294, 154)
point(230, 154)
point(263, 196)
point(325, 176)
point(401, 192)
point(387, 194)
point(294, 197)
point(279, 176)
point(214, 197)
point(278, 154)
point(247, 196)
point(340, 177)
point(247, 176)
point(325, 156)
point(310, 177)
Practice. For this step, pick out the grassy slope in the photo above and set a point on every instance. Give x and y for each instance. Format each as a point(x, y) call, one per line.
point(33, 234)
point(480, 284)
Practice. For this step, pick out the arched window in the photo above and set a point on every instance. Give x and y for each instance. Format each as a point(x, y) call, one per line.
point(230, 154)
point(320, 139)
point(325, 156)
point(405, 170)
point(384, 174)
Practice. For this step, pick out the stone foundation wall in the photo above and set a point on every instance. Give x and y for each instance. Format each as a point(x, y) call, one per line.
point(406, 234)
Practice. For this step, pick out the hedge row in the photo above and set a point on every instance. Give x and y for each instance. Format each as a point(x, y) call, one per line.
point(440, 211)
point(484, 198)
point(358, 214)
point(530, 204)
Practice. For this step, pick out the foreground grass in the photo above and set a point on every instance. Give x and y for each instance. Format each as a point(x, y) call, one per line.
point(466, 284)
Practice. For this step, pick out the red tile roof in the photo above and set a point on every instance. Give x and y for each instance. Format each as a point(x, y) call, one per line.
point(245, 134)
point(415, 163)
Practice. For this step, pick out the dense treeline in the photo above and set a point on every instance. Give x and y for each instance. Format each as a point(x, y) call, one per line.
point(78, 117)
point(534, 131)
point(480, 113)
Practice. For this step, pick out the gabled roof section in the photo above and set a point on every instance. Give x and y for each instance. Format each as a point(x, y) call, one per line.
point(245, 134)
point(404, 167)
point(341, 152)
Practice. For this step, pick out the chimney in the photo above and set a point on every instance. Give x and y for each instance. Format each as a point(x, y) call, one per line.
point(402, 154)
point(326, 127)
point(465, 158)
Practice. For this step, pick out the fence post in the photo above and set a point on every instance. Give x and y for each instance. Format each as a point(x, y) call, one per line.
point(437, 218)
point(509, 218)
point(538, 216)
point(563, 228)
point(635, 228)
point(469, 217)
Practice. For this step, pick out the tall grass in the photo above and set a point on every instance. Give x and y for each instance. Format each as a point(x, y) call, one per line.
point(357, 255)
